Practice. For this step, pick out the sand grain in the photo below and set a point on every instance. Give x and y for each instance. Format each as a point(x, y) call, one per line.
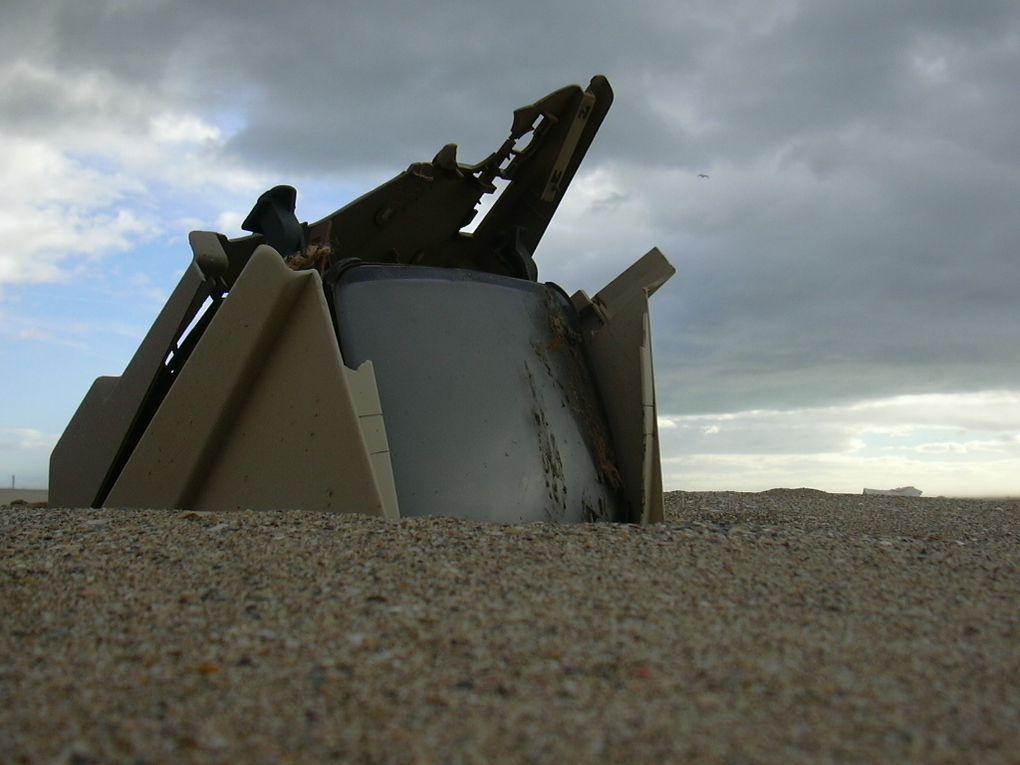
point(777, 627)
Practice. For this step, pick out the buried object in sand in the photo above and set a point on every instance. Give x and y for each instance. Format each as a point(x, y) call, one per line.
point(383, 360)
point(902, 491)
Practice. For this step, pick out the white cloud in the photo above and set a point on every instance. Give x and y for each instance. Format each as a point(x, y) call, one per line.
point(183, 128)
point(1005, 446)
point(229, 222)
point(91, 179)
point(27, 439)
point(63, 209)
point(24, 453)
point(957, 444)
point(993, 410)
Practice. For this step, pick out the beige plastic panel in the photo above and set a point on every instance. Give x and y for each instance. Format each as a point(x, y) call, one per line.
point(620, 351)
point(263, 414)
point(365, 394)
point(89, 445)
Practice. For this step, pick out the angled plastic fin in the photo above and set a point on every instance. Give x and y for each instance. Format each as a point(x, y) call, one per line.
point(619, 343)
point(264, 398)
point(98, 437)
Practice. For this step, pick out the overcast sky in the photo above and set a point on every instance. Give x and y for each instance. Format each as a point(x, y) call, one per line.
point(844, 312)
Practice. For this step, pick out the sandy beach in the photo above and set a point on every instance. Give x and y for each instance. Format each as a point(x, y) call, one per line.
point(788, 626)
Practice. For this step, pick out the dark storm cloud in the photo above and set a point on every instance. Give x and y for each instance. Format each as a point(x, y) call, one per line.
point(323, 87)
point(859, 233)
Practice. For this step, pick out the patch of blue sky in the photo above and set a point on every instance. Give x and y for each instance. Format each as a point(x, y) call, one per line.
point(103, 164)
point(70, 334)
point(228, 121)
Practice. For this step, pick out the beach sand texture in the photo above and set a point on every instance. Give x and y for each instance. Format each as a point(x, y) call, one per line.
point(782, 627)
